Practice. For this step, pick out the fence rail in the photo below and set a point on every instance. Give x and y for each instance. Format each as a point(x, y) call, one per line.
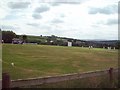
point(53, 79)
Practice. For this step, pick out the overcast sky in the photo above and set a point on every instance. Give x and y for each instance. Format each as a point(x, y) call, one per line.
point(80, 19)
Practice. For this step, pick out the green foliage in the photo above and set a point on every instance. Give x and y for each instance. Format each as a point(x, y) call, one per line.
point(0, 35)
point(118, 43)
point(7, 36)
point(24, 37)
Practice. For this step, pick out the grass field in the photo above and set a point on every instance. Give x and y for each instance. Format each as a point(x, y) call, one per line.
point(40, 60)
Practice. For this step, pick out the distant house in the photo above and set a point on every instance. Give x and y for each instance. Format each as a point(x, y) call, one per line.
point(17, 41)
point(69, 44)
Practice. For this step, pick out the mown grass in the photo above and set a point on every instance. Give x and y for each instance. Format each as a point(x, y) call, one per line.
point(44, 60)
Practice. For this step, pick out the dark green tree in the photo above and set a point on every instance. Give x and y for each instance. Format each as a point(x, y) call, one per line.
point(118, 44)
point(24, 37)
point(0, 35)
point(7, 36)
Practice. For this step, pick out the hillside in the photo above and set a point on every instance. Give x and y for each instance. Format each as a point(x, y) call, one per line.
point(62, 41)
point(11, 37)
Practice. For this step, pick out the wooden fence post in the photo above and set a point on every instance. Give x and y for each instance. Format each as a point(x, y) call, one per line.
point(111, 74)
point(5, 81)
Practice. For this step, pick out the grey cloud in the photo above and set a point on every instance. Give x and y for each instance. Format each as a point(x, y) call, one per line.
point(39, 10)
point(109, 22)
point(33, 24)
point(70, 1)
point(59, 2)
point(119, 7)
point(8, 27)
point(112, 22)
point(47, 27)
point(18, 5)
point(42, 9)
point(57, 21)
point(62, 15)
point(111, 9)
point(95, 26)
point(54, 4)
point(36, 16)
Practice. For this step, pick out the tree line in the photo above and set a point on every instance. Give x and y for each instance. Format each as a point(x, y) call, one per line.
point(8, 36)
